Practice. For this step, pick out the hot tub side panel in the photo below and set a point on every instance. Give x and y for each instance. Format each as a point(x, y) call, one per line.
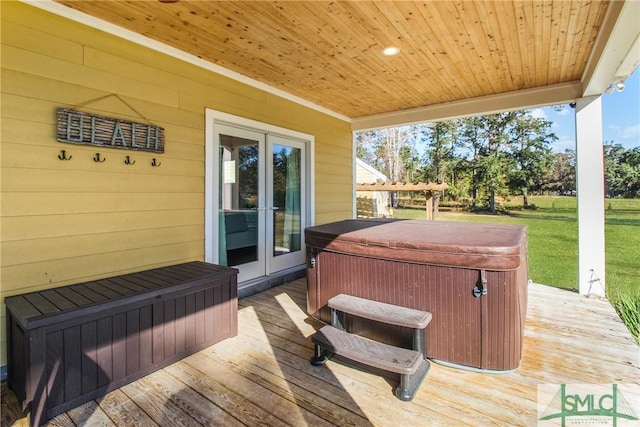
point(483, 332)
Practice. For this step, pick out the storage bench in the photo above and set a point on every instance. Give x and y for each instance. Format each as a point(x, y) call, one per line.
point(71, 344)
point(471, 277)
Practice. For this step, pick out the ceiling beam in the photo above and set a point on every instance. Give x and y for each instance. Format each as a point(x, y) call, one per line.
point(617, 49)
point(517, 100)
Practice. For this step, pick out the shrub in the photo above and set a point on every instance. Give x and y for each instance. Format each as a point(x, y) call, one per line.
point(628, 309)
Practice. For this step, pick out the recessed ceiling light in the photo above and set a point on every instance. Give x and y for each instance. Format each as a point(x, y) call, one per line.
point(390, 51)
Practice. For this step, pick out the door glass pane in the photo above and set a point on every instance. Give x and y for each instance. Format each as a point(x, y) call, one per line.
point(286, 199)
point(238, 204)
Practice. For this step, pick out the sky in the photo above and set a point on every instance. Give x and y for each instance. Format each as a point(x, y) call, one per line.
point(620, 118)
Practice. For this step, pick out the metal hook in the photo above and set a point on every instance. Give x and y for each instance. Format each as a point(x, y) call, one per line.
point(154, 163)
point(96, 158)
point(127, 161)
point(63, 155)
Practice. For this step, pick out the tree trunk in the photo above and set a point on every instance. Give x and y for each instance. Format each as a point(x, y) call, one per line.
point(474, 189)
point(492, 201)
point(525, 197)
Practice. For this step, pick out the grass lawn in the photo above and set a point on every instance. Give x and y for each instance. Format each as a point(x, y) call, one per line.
point(553, 244)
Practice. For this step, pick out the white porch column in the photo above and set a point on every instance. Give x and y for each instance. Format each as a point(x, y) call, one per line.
point(590, 188)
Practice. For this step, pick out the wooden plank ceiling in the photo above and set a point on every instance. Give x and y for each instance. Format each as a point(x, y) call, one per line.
point(329, 53)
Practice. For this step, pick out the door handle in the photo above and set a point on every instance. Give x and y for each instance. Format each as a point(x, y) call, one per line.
point(258, 209)
point(274, 208)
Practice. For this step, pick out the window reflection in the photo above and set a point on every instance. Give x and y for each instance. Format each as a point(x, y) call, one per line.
point(238, 219)
point(286, 199)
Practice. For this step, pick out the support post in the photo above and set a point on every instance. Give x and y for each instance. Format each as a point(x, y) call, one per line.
point(429, 204)
point(590, 192)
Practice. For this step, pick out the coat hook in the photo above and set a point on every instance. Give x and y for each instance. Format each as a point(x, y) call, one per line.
point(154, 163)
point(96, 158)
point(63, 155)
point(127, 161)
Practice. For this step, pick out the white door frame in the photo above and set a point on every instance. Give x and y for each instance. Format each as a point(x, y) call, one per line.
point(256, 268)
point(214, 117)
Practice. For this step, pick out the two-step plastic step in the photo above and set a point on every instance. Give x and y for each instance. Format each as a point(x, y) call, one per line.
point(409, 363)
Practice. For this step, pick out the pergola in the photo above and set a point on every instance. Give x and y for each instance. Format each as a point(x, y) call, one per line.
point(419, 187)
point(456, 59)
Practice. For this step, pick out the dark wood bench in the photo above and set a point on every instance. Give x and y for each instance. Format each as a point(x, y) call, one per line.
point(72, 344)
point(411, 364)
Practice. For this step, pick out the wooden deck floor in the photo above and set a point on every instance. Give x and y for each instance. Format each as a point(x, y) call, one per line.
point(263, 377)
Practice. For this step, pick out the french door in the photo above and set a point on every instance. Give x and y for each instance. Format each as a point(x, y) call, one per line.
point(261, 187)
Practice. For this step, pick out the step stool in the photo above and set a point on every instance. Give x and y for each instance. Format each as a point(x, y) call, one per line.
point(411, 364)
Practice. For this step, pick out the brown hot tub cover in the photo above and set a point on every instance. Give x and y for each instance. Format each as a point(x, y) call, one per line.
point(459, 244)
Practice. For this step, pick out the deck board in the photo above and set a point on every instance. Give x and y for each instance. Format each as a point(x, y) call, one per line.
point(123, 411)
point(263, 376)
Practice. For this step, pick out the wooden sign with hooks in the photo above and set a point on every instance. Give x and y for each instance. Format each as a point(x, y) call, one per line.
point(77, 127)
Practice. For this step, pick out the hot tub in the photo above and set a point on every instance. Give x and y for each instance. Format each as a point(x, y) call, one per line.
point(472, 277)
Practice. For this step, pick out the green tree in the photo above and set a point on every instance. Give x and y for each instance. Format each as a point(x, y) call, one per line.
point(470, 138)
point(441, 153)
point(482, 157)
point(496, 160)
point(247, 176)
point(410, 163)
point(366, 146)
point(561, 177)
point(441, 149)
point(622, 171)
point(507, 153)
point(530, 151)
point(486, 141)
point(391, 151)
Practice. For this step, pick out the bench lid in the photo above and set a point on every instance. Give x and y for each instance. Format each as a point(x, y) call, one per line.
point(446, 243)
point(56, 305)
